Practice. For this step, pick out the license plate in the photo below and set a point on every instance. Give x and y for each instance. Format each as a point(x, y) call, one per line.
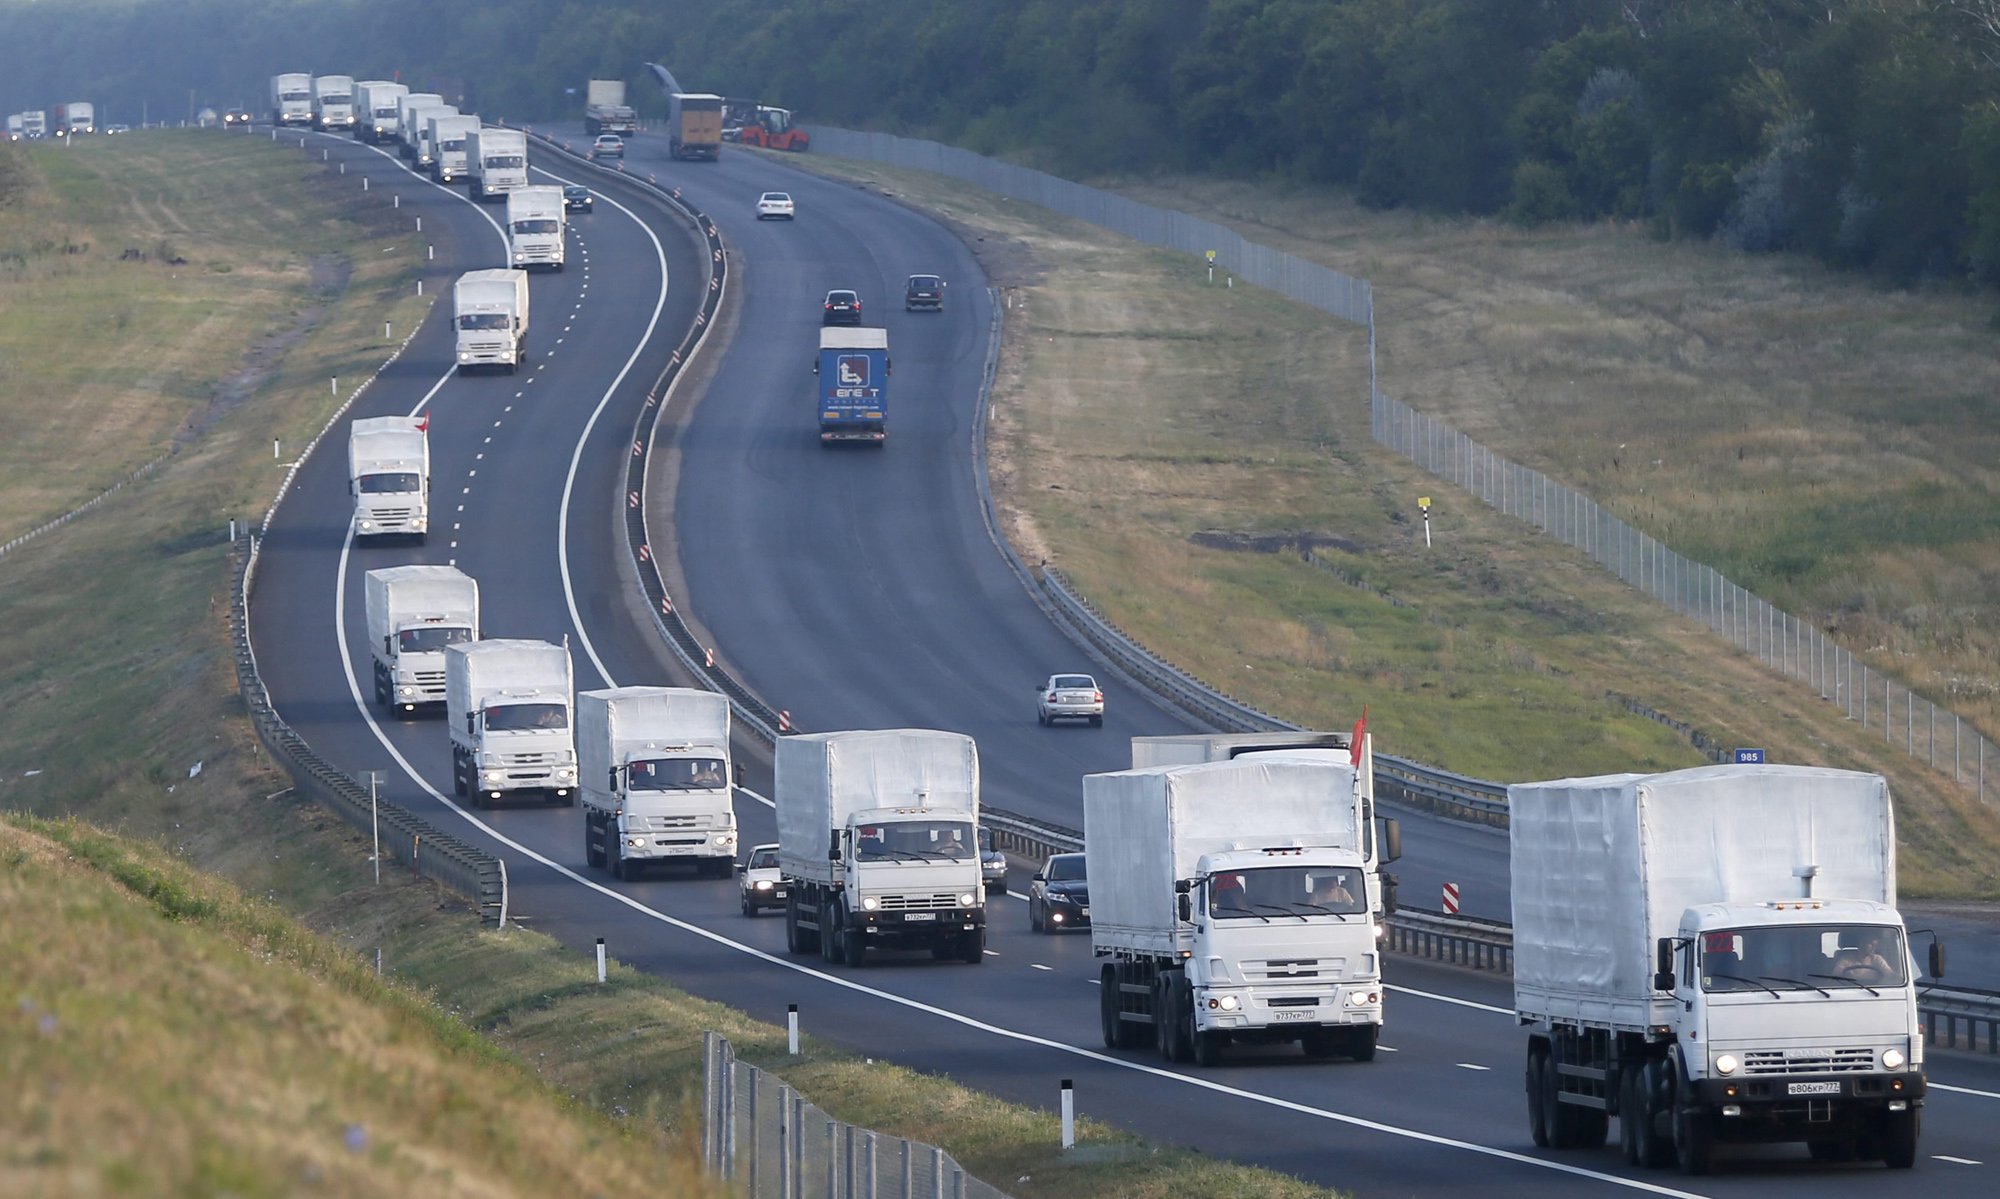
point(1813, 1088)
point(1293, 1014)
point(909, 916)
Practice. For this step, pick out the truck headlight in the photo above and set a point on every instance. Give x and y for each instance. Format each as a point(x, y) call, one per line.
point(367, 524)
point(762, 884)
point(1363, 998)
point(635, 842)
point(725, 838)
point(493, 776)
point(1725, 1063)
point(967, 900)
point(1892, 1059)
point(1228, 1003)
point(566, 772)
point(870, 903)
point(406, 690)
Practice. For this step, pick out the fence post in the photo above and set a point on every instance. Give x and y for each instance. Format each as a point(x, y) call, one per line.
point(833, 1160)
point(937, 1173)
point(756, 1141)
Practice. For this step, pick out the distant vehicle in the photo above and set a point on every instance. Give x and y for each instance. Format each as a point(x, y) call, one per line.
point(235, 117)
point(992, 863)
point(535, 227)
point(490, 309)
point(1069, 697)
point(76, 117)
point(842, 307)
point(765, 127)
point(694, 125)
point(508, 709)
point(375, 109)
point(333, 102)
point(447, 136)
point(655, 770)
point(34, 124)
point(414, 612)
point(291, 99)
point(607, 145)
point(605, 110)
point(15, 127)
point(117, 129)
point(496, 161)
point(775, 205)
point(853, 375)
point(759, 881)
point(1059, 896)
point(389, 475)
point(578, 199)
point(923, 291)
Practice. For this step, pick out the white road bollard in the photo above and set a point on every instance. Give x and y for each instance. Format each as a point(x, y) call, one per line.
point(600, 959)
point(1068, 1113)
point(792, 1028)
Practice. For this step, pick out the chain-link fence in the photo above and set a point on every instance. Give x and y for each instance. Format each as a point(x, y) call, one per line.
point(1783, 642)
point(765, 1141)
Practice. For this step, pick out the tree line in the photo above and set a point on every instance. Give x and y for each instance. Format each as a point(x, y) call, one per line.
point(1863, 132)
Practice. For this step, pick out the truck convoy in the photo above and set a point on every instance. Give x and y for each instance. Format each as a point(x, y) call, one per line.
point(333, 102)
point(507, 704)
point(1380, 838)
point(656, 776)
point(605, 110)
point(389, 475)
point(535, 224)
point(853, 369)
point(76, 117)
point(490, 314)
point(414, 612)
point(447, 139)
point(496, 161)
point(1715, 955)
point(375, 109)
point(291, 99)
point(694, 125)
point(876, 847)
point(408, 128)
point(1228, 897)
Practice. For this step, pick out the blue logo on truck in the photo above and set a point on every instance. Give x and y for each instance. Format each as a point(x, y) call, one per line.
point(852, 370)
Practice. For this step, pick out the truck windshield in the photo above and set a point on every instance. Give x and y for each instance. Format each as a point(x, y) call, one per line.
point(914, 840)
point(538, 225)
point(511, 718)
point(1268, 891)
point(427, 637)
point(390, 482)
point(483, 320)
point(675, 774)
point(454, 146)
point(1803, 957)
point(390, 111)
point(294, 96)
point(503, 162)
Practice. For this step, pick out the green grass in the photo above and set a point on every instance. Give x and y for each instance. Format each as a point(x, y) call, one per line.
point(114, 659)
point(1131, 459)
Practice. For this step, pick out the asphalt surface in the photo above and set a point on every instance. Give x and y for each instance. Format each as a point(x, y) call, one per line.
point(857, 588)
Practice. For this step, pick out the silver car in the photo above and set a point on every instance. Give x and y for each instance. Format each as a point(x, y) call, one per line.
point(758, 879)
point(1069, 697)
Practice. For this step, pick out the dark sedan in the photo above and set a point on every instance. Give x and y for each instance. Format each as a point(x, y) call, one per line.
point(578, 199)
point(1059, 896)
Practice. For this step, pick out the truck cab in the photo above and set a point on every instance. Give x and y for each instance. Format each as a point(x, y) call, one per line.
point(509, 710)
point(907, 872)
point(388, 462)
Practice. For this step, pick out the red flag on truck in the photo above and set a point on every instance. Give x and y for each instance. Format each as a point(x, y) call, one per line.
point(1360, 735)
point(424, 422)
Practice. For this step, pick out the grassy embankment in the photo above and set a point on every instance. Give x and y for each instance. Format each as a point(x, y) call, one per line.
point(113, 655)
point(1153, 433)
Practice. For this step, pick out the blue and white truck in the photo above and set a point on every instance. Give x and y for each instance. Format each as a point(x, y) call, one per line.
point(853, 370)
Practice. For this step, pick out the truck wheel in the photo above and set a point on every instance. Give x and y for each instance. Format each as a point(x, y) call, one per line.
point(1555, 1117)
point(972, 947)
point(593, 848)
point(458, 786)
point(1361, 1042)
point(1629, 1117)
point(1107, 1006)
point(1180, 997)
point(853, 942)
point(1165, 1034)
point(1538, 1116)
point(829, 934)
point(614, 852)
point(1656, 1149)
point(1900, 1141)
point(1694, 1142)
point(382, 697)
point(1207, 1046)
point(797, 939)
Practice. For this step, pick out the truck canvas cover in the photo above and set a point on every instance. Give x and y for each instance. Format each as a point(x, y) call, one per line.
point(1603, 867)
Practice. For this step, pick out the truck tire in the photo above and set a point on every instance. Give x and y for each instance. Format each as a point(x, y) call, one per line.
point(1180, 998)
point(1165, 1035)
point(1629, 1118)
point(383, 699)
point(798, 940)
point(1107, 1007)
point(1206, 1047)
point(458, 786)
point(1656, 1148)
point(853, 942)
point(972, 946)
point(1538, 1116)
point(1361, 1040)
point(1555, 1115)
point(1694, 1133)
point(1900, 1136)
point(615, 853)
point(593, 845)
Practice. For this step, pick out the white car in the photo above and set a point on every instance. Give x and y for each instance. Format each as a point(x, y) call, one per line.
point(775, 206)
point(1069, 697)
point(757, 878)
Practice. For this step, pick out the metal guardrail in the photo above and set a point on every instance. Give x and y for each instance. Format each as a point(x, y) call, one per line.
point(1948, 1011)
point(767, 1142)
point(473, 873)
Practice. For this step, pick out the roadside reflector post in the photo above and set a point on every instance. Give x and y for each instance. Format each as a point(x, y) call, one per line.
point(1424, 506)
point(364, 183)
point(420, 287)
point(1451, 899)
point(600, 959)
point(792, 1028)
point(1068, 1114)
point(430, 253)
point(274, 449)
point(386, 334)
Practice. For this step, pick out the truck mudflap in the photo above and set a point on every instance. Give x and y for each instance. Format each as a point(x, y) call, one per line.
point(1808, 1097)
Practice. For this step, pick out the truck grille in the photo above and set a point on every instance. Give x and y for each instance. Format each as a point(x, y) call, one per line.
point(485, 347)
point(1814, 1061)
point(541, 759)
point(430, 678)
point(904, 903)
point(1285, 969)
point(661, 824)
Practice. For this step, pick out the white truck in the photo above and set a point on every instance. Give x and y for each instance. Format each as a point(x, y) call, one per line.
point(447, 139)
point(1228, 899)
point(76, 117)
point(1380, 837)
point(535, 228)
point(389, 475)
point(490, 315)
point(425, 159)
point(291, 99)
point(375, 109)
point(333, 102)
point(507, 704)
point(414, 612)
point(1715, 955)
point(876, 843)
point(605, 110)
point(408, 128)
point(34, 124)
point(496, 161)
point(656, 775)
point(16, 127)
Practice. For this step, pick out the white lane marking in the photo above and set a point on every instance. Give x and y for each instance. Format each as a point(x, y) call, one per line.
point(481, 457)
point(1386, 1049)
point(1938, 1086)
point(1451, 999)
point(1039, 966)
point(1956, 1161)
point(991, 953)
point(1473, 1066)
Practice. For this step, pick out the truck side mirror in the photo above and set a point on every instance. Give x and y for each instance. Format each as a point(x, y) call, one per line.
point(1663, 965)
point(1937, 958)
point(736, 773)
point(1186, 902)
point(472, 723)
point(389, 645)
point(833, 846)
point(1389, 884)
point(1392, 839)
point(611, 783)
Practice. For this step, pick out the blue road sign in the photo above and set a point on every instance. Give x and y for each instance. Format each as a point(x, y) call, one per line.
point(1750, 757)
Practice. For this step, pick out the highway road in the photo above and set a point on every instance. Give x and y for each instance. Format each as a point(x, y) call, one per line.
point(859, 587)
